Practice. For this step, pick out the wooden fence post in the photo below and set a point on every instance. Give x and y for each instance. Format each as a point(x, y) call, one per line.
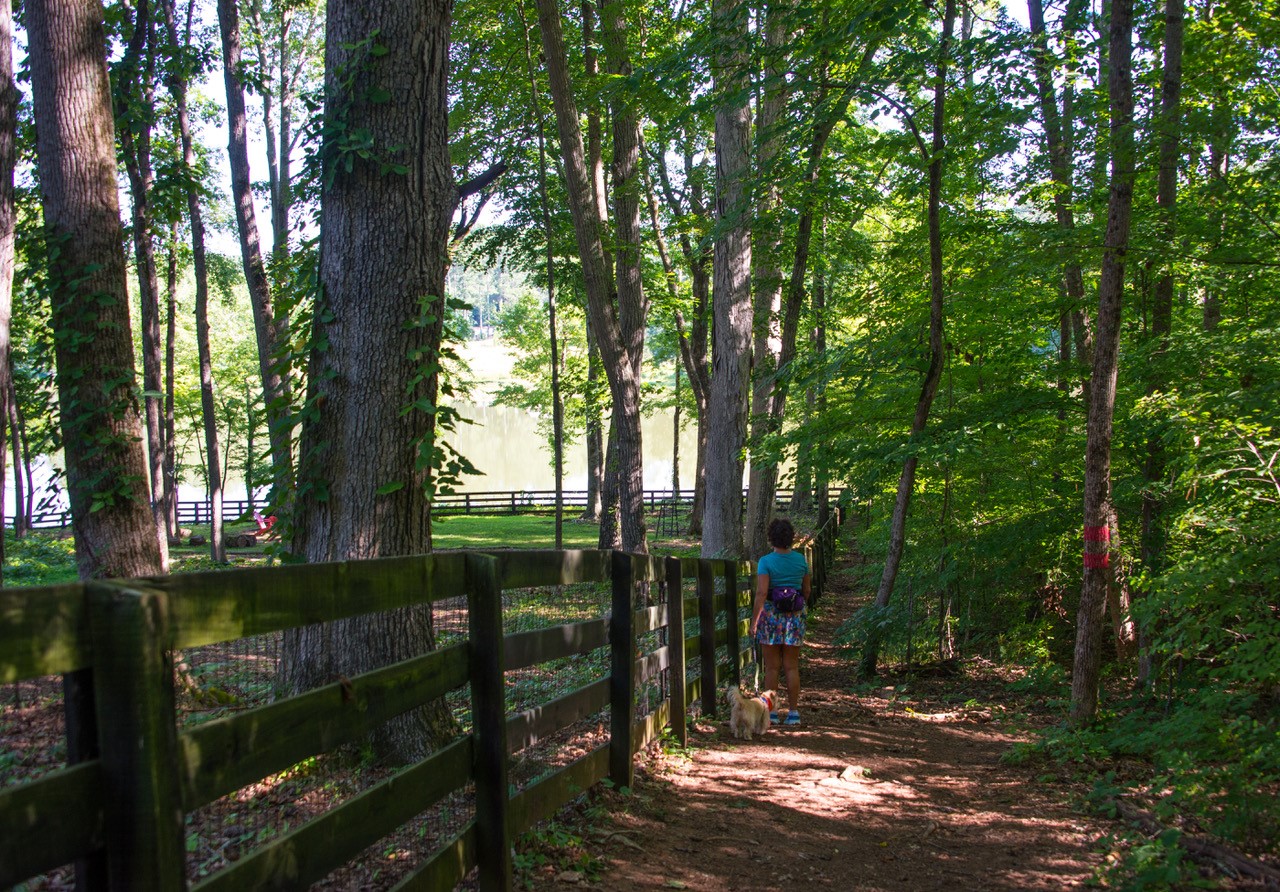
point(707, 634)
point(622, 670)
point(731, 621)
point(675, 651)
point(489, 723)
point(82, 745)
point(137, 737)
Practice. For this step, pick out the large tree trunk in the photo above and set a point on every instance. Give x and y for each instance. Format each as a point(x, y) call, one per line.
point(766, 278)
point(8, 157)
point(365, 479)
point(611, 322)
point(731, 288)
point(269, 325)
point(633, 306)
point(1098, 509)
point(208, 399)
point(135, 96)
point(76, 162)
point(906, 482)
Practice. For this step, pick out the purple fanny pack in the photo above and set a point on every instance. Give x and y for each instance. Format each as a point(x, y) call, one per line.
point(786, 598)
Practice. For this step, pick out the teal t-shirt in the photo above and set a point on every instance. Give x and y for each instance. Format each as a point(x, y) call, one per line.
point(789, 568)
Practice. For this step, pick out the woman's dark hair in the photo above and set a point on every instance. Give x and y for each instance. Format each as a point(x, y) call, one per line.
point(781, 533)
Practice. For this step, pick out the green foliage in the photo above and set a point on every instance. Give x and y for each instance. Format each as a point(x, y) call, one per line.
point(39, 559)
point(556, 846)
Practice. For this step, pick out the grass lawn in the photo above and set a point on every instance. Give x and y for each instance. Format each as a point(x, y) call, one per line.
point(47, 558)
point(510, 531)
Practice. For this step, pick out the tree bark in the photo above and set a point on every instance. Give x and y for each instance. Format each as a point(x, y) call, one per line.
point(594, 510)
point(906, 482)
point(208, 398)
point(1098, 509)
point(610, 321)
point(595, 132)
point(766, 277)
point(170, 429)
point(731, 287)
point(270, 325)
point(135, 96)
point(76, 163)
point(15, 449)
point(9, 99)
point(365, 480)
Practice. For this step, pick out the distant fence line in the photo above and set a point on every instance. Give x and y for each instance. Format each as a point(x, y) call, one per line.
point(516, 501)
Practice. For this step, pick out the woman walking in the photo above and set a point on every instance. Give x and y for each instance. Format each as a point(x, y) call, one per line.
point(778, 621)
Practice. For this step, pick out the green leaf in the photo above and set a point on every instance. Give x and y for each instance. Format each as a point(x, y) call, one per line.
point(388, 488)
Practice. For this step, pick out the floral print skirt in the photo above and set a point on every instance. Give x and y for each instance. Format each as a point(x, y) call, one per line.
point(780, 628)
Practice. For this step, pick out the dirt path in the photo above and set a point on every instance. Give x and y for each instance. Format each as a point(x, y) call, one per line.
point(868, 794)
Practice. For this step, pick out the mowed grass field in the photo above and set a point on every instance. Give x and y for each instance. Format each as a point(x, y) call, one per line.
point(48, 558)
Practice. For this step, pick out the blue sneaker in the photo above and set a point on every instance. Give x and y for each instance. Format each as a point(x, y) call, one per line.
point(773, 718)
point(793, 718)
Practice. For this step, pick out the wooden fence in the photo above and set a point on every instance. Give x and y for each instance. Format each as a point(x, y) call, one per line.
point(118, 809)
point(498, 502)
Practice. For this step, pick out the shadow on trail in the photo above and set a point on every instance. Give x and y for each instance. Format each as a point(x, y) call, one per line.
point(860, 797)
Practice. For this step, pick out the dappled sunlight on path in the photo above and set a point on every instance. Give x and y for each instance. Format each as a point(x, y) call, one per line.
point(865, 795)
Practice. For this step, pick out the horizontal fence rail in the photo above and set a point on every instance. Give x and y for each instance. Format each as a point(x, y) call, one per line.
point(197, 512)
point(119, 807)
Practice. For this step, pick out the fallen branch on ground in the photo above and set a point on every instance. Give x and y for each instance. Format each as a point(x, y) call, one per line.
point(1201, 849)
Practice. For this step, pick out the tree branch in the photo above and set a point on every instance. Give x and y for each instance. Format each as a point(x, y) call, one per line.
point(470, 187)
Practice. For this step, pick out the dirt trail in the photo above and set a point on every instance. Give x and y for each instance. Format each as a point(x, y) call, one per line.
point(866, 795)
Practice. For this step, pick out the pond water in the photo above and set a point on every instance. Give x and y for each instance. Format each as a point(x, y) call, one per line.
point(506, 445)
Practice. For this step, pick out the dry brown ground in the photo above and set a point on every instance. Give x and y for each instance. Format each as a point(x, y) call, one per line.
point(868, 794)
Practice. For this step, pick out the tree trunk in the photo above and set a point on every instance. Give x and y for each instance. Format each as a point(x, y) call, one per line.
point(135, 97)
point(208, 401)
point(595, 132)
point(765, 476)
point(365, 479)
point(1222, 126)
point(906, 482)
point(16, 432)
point(270, 326)
point(633, 305)
point(1097, 480)
point(766, 278)
point(612, 322)
point(1162, 312)
point(76, 162)
point(9, 98)
point(802, 496)
point(594, 510)
point(170, 428)
point(693, 337)
point(1058, 126)
point(731, 288)
point(557, 405)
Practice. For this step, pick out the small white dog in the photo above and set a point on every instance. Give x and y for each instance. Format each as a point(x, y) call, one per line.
point(749, 715)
